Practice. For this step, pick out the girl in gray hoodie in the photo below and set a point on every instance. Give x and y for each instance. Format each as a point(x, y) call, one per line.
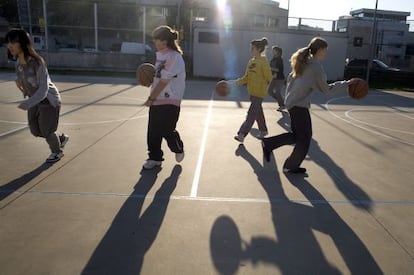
point(307, 76)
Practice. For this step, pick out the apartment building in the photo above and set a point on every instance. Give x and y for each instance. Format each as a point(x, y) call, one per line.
point(391, 39)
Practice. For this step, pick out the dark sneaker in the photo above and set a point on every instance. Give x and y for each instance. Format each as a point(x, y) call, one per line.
point(299, 170)
point(179, 156)
point(266, 152)
point(151, 164)
point(262, 134)
point(54, 157)
point(63, 140)
point(239, 138)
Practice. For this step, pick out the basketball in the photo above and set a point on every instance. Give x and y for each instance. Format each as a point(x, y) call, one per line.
point(358, 88)
point(145, 74)
point(222, 88)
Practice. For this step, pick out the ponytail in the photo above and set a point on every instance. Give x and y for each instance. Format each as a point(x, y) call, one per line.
point(300, 58)
point(166, 33)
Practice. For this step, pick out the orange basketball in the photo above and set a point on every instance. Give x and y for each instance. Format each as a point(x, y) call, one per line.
point(145, 74)
point(358, 88)
point(222, 88)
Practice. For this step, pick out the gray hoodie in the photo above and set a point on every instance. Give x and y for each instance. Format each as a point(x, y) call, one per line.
point(299, 90)
point(33, 78)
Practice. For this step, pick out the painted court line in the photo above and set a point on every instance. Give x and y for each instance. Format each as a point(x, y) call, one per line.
point(196, 179)
point(70, 111)
point(348, 115)
point(362, 127)
point(213, 199)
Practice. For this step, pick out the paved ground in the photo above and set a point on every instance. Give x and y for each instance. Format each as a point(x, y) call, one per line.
point(222, 210)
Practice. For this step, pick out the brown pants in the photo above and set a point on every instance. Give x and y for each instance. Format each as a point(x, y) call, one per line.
point(43, 122)
point(255, 113)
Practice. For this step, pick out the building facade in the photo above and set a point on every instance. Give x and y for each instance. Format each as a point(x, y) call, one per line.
point(391, 39)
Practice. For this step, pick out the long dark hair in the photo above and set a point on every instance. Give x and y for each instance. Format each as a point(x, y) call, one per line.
point(23, 38)
point(166, 33)
point(300, 58)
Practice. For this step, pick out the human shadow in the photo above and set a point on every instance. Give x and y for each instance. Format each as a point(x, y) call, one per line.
point(326, 220)
point(8, 188)
point(355, 195)
point(296, 249)
point(132, 233)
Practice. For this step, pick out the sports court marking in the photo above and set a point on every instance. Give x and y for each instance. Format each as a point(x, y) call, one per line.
point(211, 199)
point(196, 179)
point(76, 109)
point(347, 114)
point(369, 124)
point(80, 123)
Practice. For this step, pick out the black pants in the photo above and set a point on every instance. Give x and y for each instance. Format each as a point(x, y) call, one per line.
point(301, 136)
point(43, 122)
point(161, 124)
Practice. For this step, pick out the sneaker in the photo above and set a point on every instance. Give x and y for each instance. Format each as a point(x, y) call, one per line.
point(266, 152)
point(54, 157)
point(151, 164)
point(179, 157)
point(63, 140)
point(299, 170)
point(239, 138)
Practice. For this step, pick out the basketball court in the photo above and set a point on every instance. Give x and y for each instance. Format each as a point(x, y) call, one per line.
point(222, 210)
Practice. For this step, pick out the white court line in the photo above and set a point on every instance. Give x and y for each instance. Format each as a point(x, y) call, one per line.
point(81, 123)
point(13, 131)
point(196, 179)
point(213, 199)
point(347, 114)
point(361, 127)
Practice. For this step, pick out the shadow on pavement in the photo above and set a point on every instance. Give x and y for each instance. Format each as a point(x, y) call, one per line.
point(296, 249)
point(358, 197)
point(12, 186)
point(133, 231)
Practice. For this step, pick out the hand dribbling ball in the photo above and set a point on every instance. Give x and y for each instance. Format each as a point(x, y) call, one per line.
point(358, 88)
point(145, 74)
point(222, 88)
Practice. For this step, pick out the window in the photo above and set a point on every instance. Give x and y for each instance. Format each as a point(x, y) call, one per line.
point(259, 21)
point(209, 37)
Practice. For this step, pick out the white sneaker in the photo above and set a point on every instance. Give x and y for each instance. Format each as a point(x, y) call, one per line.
point(54, 157)
point(239, 138)
point(63, 140)
point(151, 164)
point(179, 157)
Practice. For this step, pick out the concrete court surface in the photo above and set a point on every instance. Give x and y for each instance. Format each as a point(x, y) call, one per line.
point(223, 210)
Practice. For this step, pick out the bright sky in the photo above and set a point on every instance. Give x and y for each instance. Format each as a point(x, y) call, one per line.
point(332, 9)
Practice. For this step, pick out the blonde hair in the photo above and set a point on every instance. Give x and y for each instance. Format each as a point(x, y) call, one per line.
point(300, 58)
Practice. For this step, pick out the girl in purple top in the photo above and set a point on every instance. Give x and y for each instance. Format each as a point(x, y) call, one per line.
point(42, 98)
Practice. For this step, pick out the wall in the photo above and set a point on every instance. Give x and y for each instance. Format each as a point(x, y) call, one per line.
point(228, 58)
point(86, 61)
